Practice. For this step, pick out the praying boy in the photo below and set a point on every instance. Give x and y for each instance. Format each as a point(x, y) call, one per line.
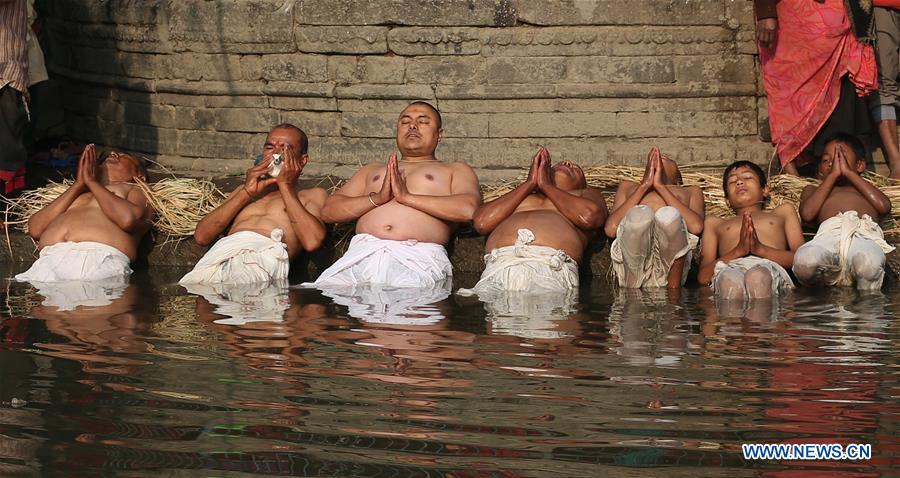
point(745, 256)
point(849, 245)
point(655, 224)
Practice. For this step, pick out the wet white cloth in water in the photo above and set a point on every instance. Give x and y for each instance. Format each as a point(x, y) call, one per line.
point(839, 238)
point(69, 295)
point(374, 261)
point(645, 259)
point(530, 315)
point(77, 261)
point(391, 305)
point(245, 257)
point(781, 280)
point(244, 303)
point(525, 268)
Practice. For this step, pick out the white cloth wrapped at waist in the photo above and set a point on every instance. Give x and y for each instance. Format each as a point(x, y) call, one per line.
point(525, 268)
point(374, 261)
point(842, 229)
point(81, 261)
point(245, 257)
point(781, 280)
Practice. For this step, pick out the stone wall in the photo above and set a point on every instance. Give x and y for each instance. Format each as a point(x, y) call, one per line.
point(196, 83)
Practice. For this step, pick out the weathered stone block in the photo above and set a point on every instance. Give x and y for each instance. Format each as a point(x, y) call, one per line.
point(306, 104)
point(377, 106)
point(620, 70)
point(91, 60)
point(246, 120)
point(565, 105)
point(385, 92)
point(298, 89)
point(303, 68)
point(209, 87)
point(368, 125)
point(314, 123)
point(435, 41)
point(366, 69)
point(605, 41)
point(445, 70)
point(199, 66)
point(351, 153)
point(341, 39)
point(526, 70)
point(152, 115)
point(188, 118)
point(138, 65)
point(215, 145)
point(458, 125)
point(251, 26)
point(612, 12)
point(416, 12)
point(715, 69)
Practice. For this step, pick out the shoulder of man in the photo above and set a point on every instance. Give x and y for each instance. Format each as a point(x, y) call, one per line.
point(313, 194)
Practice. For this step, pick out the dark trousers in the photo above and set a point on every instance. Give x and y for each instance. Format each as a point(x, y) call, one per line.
point(13, 120)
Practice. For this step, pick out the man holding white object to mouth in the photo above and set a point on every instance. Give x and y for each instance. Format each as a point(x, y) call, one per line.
point(268, 222)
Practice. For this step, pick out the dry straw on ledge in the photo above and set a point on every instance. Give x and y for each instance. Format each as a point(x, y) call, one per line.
point(179, 203)
point(783, 188)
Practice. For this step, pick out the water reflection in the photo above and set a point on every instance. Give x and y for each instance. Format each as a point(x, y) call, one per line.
point(239, 304)
point(103, 338)
point(380, 383)
point(411, 306)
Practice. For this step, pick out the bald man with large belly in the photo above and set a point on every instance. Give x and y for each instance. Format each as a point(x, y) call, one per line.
point(405, 210)
point(538, 231)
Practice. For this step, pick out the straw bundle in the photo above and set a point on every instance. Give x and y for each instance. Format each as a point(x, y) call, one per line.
point(179, 204)
point(783, 188)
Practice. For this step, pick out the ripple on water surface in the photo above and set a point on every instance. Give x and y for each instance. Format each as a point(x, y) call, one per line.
point(296, 382)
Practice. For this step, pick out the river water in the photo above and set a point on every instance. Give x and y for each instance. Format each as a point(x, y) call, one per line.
point(154, 381)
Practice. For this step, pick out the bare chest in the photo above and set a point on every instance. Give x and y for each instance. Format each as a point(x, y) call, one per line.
point(431, 178)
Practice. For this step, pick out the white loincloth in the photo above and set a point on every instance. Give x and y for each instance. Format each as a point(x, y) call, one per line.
point(77, 261)
point(373, 261)
point(524, 268)
point(392, 306)
point(837, 233)
point(243, 303)
point(650, 266)
point(69, 295)
point(781, 280)
point(245, 257)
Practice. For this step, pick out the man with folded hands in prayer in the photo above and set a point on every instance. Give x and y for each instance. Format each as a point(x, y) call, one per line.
point(269, 222)
point(405, 210)
point(537, 232)
point(92, 230)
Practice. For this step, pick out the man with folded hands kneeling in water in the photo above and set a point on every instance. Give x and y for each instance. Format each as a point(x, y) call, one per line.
point(537, 232)
point(268, 221)
point(92, 230)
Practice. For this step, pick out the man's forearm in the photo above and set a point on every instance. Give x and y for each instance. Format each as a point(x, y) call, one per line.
point(873, 195)
point(309, 229)
point(810, 207)
point(38, 223)
point(125, 214)
point(488, 216)
point(582, 212)
point(215, 223)
point(453, 208)
point(340, 208)
point(781, 257)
